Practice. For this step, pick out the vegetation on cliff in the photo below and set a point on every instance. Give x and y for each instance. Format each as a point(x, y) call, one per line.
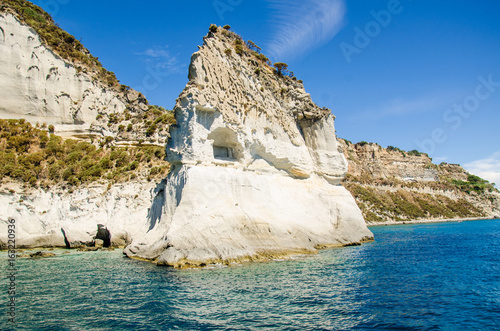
point(38, 158)
point(252, 51)
point(61, 42)
point(390, 184)
point(379, 205)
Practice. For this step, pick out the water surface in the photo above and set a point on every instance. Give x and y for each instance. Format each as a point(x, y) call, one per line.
point(421, 277)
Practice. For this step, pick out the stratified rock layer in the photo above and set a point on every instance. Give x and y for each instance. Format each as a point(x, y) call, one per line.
point(255, 168)
point(391, 185)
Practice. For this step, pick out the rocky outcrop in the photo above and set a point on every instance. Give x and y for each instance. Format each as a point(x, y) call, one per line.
point(256, 168)
point(391, 185)
point(41, 86)
point(377, 163)
point(58, 218)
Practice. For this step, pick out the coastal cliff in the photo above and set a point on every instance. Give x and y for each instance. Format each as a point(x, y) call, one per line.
point(256, 168)
point(47, 76)
point(391, 185)
point(77, 149)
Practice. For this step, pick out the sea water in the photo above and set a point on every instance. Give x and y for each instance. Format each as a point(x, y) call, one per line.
point(442, 276)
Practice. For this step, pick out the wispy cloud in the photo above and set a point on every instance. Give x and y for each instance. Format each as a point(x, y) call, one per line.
point(159, 57)
point(302, 25)
point(488, 168)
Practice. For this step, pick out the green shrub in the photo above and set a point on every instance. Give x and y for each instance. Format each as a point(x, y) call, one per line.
point(238, 49)
point(134, 165)
point(281, 69)
point(414, 153)
point(151, 130)
point(29, 154)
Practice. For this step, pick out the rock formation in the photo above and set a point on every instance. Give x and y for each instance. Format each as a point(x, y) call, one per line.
point(40, 85)
point(392, 185)
point(256, 168)
point(58, 218)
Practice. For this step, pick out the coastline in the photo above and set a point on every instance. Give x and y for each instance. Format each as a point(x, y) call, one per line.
point(369, 224)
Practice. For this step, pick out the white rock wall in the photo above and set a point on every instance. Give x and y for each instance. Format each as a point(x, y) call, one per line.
point(125, 209)
point(250, 180)
point(39, 86)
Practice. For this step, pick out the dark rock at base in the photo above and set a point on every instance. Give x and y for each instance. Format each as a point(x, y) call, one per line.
point(87, 249)
point(104, 235)
point(42, 254)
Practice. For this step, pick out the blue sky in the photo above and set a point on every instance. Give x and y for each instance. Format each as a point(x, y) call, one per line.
point(413, 74)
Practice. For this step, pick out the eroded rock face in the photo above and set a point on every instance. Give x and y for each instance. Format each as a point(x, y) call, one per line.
point(38, 85)
point(255, 168)
point(375, 162)
point(57, 218)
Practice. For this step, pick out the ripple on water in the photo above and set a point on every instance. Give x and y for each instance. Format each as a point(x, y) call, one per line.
point(414, 277)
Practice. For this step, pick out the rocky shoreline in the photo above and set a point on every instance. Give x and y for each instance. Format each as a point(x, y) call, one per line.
point(429, 221)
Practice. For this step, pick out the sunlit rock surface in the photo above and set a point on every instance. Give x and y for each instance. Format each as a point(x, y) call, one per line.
point(255, 168)
point(40, 86)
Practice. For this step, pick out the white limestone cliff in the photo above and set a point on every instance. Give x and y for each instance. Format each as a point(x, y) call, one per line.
point(58, 218)
point(40, 86)
point(256, 168)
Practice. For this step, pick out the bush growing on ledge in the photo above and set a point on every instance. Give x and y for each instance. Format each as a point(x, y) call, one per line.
point(213, 28)
point(238, 49)
point(474, 184)
point(414, 153)
point(281, 68)
point(251, 45)
point(29, 155)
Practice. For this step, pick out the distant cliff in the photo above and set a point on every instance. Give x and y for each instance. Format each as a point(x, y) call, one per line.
point(390, 184)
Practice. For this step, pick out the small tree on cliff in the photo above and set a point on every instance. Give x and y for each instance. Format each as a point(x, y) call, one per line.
point(281, 68)
point(251, 45)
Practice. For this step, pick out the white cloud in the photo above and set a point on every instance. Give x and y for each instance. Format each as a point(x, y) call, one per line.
point(488, 168)
point(302, 25)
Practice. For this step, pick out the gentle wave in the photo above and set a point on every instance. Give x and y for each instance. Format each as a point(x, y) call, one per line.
point(413, 277)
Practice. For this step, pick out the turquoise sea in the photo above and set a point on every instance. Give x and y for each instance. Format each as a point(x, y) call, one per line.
point(442, 276)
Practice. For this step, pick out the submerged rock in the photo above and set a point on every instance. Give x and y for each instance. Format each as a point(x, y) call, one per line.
point(256, 168)
point(40, 254)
